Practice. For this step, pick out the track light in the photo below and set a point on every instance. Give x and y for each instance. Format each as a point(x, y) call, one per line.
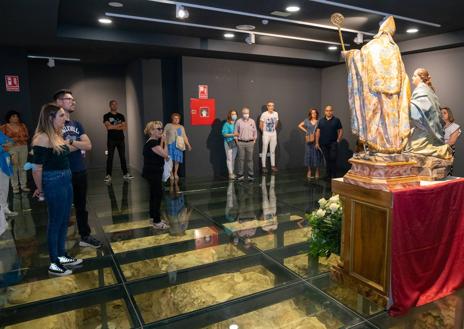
point(250, 39)
point(51, 63)
point(181, 12)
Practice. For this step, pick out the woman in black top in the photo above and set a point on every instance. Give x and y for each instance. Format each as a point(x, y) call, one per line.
point(52, 177)
point(155, 151)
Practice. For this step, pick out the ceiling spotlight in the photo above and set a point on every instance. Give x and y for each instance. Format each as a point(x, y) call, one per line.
point(115, 4)
point(359, 39)
point(265, 21)
point(292, 9)
point(229, 35)
point(181, 12)
point(332, 48)
point(233, 326)
point(412, 30)
point(250, 39)
point(105, 20)
point(51, 63)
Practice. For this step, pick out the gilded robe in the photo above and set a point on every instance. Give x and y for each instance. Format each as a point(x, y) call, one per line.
point(379, 92)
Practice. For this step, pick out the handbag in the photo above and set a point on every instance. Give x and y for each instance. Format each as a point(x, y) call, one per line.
point(311, 137)
point(231, 144)
point(180, 142)
point(167, 169)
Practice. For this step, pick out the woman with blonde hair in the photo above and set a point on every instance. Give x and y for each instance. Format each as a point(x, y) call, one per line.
point(52, 178)
point(155, 151)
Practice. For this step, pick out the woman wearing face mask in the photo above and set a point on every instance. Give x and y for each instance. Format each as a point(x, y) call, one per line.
point(229, 141)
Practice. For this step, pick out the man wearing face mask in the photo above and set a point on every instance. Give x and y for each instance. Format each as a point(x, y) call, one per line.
point(245, 132)
point(230, 146)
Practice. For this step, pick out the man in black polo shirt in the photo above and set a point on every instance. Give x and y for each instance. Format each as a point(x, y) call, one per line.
point(329, 133)
point(115, 123)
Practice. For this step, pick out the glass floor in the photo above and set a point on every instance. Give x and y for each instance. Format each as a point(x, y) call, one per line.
point(234, 257)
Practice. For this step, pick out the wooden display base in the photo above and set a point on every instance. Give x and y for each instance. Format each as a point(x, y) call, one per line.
point(385, 176)
point(366, 235)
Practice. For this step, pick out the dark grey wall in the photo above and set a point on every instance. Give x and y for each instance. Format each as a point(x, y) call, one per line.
point(144, 103)
point(235, 84)
point(92, 86)
point(446, 68)
point(14, 62)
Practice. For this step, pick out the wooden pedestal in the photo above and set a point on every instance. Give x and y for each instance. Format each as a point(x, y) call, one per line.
point(366, 235)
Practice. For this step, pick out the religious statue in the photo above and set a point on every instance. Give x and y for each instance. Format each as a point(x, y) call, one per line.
point(379, 92)
point(427, 133)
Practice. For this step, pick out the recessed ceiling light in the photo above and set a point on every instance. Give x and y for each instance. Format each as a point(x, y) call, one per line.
point(233, 326)
point(229, 35)
point(115, 4)
point(245, 27)
point(332, 48)
point(292, 9)
point(412, 30)
point(105, 20)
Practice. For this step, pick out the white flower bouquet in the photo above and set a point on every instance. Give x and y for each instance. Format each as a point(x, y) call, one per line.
point(326, 223)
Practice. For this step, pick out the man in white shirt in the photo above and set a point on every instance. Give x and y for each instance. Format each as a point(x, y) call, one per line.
point(268, 125)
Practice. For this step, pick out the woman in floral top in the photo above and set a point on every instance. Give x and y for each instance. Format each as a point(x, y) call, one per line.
point(17, 130)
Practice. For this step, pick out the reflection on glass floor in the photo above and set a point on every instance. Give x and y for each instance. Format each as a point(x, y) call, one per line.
point(234, 257)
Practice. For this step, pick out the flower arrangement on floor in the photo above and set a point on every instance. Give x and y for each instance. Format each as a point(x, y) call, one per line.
point(326, 226)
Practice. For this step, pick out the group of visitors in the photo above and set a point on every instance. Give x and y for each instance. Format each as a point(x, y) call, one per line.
point(240, 137)
point(321, 136)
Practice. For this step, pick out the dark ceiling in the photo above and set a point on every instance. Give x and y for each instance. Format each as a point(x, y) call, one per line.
point(70, 28)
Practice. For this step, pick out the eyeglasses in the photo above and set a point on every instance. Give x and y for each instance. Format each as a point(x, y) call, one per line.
point(68, 99)
point(159, 129)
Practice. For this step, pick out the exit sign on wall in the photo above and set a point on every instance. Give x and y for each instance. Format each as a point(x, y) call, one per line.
point(12, 82)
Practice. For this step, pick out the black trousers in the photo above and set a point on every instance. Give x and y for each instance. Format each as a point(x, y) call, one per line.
point(79, 183)
point(156, 194)
point(330, 156)
point(111, 146)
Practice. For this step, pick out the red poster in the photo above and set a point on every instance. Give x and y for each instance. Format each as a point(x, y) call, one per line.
point(202, 111)
point(12, 82)
point(203, 91)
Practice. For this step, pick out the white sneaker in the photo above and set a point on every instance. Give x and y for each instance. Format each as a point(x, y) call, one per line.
point(232, 176)
point(69, 261)
point(10, 213)
point(107, 179)
point(58, 270)
point(128, 176)
point(161, 225)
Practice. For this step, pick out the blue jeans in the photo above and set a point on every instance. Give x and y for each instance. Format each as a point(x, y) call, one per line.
point(58, 192)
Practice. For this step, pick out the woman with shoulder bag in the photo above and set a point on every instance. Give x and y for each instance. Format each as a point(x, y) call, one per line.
point(312, 157)
point(177, 141)
point(229, 141)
